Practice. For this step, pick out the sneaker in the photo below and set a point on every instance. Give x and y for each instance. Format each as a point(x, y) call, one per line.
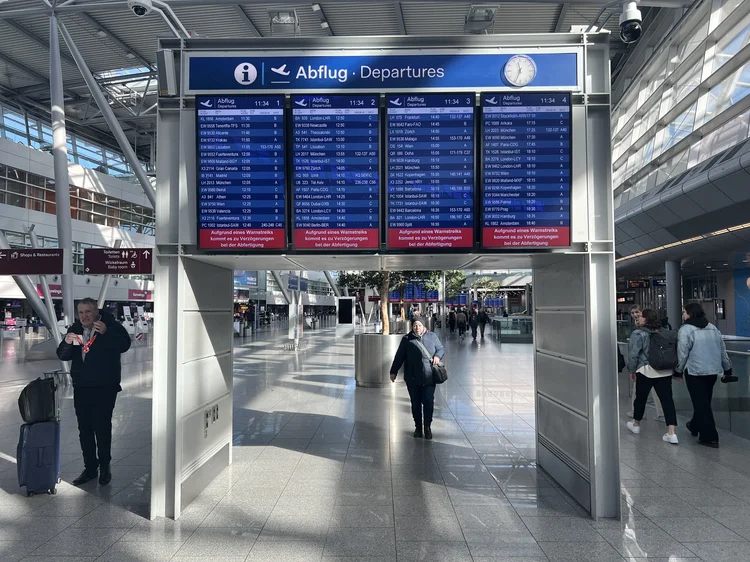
point(634, 428)
point(670, 439)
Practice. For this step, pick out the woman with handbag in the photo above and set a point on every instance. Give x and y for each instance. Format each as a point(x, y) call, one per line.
point(420, 352)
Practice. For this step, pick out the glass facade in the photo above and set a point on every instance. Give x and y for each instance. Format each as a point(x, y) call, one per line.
point(689, 104)
point(23, 189)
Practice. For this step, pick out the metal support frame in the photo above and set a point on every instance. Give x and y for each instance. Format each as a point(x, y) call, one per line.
point(105, 282)
point(46, 292)
point(561, 17)
point(109, 117)
point(332, 283)
point(62, 181)
point(277, 278)
point(400, 17)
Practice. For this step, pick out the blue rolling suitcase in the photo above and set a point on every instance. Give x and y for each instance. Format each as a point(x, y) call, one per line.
point(38, 457)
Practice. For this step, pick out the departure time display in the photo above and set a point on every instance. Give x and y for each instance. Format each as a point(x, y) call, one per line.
point(241, 172)
point(526, 170)
point(430, 171)
point(335, 177)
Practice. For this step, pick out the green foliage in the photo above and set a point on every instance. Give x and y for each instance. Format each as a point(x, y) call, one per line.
point(455, 281)
point(486, 283)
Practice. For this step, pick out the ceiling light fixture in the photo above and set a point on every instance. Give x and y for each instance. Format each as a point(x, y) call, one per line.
point(284, 20)
point(479, 19)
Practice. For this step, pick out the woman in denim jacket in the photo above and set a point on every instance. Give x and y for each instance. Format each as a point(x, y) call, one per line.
point(646, 377)
point(701, 357)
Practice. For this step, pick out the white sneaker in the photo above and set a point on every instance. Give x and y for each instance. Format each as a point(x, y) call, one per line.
point(670, 438)
point(634, 428)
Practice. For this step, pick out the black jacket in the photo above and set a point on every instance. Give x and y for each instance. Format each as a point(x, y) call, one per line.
point(417, 367)
point(102, 365)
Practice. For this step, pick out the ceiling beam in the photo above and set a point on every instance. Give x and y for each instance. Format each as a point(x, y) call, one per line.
point(323, 21)
point(34, 74)
point(561, 17)
point(400, 18)
point(247, 20)
point(117, 41)
point(38, 40)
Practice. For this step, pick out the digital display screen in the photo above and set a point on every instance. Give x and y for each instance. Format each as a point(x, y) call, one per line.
point(526, 170)
point(335, 181)
point(430, 171)
point(240, 174)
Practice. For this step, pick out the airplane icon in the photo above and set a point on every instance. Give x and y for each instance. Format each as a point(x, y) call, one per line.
point(302, 102)
point(281, 70)
point(206, 103)
point(397, 101)
point(492, 100)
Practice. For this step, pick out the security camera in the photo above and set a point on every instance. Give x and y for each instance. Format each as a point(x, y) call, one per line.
point(140, 7)
point(630, 23)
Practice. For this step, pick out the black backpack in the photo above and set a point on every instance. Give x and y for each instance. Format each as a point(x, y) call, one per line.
point(37, 401)
point(662, 349)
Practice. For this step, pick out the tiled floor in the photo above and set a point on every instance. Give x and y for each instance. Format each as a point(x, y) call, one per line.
point(325, 471)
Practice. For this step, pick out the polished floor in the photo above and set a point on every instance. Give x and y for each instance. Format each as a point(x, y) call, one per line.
point(324, 471)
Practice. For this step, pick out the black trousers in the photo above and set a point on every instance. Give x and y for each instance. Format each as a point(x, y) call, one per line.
point(701, 391)
point(481, 328)
point(461, 329)
point(422, 397)
point(663, 388)
point(474, 332)
point(94, 407)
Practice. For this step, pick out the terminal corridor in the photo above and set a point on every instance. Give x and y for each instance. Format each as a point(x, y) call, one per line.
point(326, 471)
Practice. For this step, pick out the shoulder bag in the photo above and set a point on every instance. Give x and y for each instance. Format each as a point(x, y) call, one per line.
point(439, 371)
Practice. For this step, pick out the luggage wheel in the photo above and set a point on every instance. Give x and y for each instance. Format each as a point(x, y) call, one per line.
point(52, 492)
point(29, 494)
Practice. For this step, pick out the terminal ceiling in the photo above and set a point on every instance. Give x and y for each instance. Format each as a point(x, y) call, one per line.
point(113, 41)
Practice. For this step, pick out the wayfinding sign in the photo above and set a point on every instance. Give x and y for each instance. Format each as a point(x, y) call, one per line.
point(118, 261)
point(31, 262)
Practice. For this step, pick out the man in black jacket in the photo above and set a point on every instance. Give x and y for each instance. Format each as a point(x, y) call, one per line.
point(94, 345)
point(418, 373)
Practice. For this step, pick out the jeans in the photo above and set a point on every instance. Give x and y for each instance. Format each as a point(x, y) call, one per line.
point(422, 397)
point(701, 389)
point(663, 388)
point(94, 407)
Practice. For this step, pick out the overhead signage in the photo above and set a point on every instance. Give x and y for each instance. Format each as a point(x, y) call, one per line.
point(430, 183)
point(245, 278)
point(373, 298)
point(139, 295)
point(626, 298)
point(292, 283)
point(526, 170)
point(31, 262)
point(55, 291)
point(241, 172)
point(118, 261)
point(303, 284)
point(335, 181)
point(659, 282)
point(639, 283)
point(463, 70)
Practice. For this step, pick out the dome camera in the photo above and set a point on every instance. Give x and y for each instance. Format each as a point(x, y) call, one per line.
point(140, 7)
point(630, 23)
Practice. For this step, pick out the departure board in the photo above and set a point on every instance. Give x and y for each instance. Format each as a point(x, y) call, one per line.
point(526, 170)
point(430, 171)
point(336, 172)
point(241, 172)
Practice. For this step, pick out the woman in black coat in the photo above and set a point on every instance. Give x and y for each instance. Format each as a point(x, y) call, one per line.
point(418, 373)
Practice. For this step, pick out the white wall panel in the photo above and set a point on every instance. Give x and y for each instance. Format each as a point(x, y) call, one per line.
point(205, 380)
point(562, 332)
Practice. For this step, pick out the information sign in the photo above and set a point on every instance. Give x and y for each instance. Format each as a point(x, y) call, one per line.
point(118, 261)
point(293, 283)
point(241, 172)
point(31, 262)
point(336, 172)
point(526, 170)
point(430, 171)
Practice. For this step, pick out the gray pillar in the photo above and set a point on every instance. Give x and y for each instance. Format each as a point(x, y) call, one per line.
point(443, 309)
point(46, 292)
point(331, 282)
point(105, 281)
point(62, 183)
point(674, 293)
point(107, 113)
point(277, 278)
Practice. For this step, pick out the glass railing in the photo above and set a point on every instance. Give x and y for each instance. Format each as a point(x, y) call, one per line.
point(513, 329)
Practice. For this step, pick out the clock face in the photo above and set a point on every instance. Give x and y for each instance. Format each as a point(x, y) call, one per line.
point(520, 70)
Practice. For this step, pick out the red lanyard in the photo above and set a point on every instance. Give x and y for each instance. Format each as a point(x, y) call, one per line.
point(87, 345)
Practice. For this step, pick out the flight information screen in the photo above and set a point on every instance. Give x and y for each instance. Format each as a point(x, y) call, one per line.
point(241, 172)
point(526, 170)
point(430, 171)
point(335, 180)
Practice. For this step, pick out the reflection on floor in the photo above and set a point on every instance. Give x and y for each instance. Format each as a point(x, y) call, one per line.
point(325, 471)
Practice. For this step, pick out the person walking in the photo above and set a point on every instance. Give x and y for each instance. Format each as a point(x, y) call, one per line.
point(452, 320)
point(484, 319)
point(474, 323)
point(461, 322)
point(635, 315)
point(94, 344)
point(418, 374)
point(701, 358)
point(647, 376)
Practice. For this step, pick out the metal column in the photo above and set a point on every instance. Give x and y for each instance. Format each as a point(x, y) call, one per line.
point(443, 309)
point(105, 282)
point(336, 291)
point(107, 113)
point(674, 293)
point(277, 278)
point(62, 183)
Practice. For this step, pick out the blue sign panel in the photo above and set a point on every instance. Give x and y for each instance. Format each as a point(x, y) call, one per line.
point(430, 171)
point(526, 170)
point(241, 172)
point(303, 284)
point(464, 71)
point(336, 172)
point(292, 283)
